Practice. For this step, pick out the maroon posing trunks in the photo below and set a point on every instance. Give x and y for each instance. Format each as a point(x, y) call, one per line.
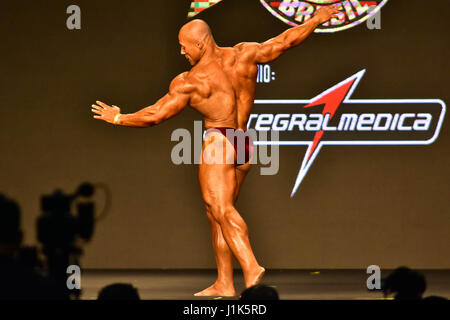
point(235, 136)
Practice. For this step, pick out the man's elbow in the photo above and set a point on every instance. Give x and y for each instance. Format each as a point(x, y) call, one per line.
point(291, 42)
point(153, 120)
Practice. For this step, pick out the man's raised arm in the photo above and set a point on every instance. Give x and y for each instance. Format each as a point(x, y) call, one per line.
point(275, 47)
point(168, 106)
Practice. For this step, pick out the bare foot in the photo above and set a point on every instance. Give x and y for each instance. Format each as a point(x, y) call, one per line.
point(254, 277)
point(216, 291)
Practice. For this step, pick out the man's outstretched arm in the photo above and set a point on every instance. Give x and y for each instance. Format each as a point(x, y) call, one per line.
point(275, 47)
point(168, 106)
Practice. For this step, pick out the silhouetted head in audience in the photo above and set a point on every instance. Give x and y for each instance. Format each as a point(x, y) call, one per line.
point(436, 299)
point(405, 283)
point(119, 291)
point(260, 292)
point(10, 232)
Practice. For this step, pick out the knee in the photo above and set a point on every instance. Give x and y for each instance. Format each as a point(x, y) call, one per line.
point(221, 213)
point(209, 214)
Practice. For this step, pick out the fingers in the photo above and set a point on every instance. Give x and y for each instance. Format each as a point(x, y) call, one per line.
point(103, 111)
point(94, 106)
point(97, 111)
point(104, 105)
point(333, 12)
point(333, 8)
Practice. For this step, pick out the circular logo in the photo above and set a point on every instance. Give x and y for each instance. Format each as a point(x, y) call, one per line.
point(351, 12)
point(324, 1)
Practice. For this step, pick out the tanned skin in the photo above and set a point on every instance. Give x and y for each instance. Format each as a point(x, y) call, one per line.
point(221, 87)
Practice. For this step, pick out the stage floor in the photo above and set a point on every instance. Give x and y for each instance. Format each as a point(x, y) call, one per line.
point(290, 284)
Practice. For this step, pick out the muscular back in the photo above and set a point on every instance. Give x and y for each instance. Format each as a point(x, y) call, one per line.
point(225, 88)
point(226, 83)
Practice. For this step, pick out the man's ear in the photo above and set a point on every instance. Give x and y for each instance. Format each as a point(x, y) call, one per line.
point(199, 45)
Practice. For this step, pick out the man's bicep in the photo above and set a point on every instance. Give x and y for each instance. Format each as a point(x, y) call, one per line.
point(262, 52)
point(270, 50)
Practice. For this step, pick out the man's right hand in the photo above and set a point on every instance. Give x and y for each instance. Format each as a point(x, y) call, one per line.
point(326, 13)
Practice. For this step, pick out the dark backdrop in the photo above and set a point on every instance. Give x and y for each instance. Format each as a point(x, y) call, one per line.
point(358, 205)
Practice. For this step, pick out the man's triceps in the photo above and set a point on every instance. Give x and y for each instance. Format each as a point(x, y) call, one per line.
point(275, 47)
point(168, 106)
point(165, 108)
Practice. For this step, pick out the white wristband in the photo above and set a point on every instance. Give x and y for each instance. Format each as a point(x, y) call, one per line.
point(116, 118)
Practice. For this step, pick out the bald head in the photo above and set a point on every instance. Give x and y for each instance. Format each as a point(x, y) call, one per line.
point(196, 30)
point(195, 38)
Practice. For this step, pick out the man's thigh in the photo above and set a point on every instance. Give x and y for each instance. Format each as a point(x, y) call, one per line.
point(217, 183)
point(217, 180)
point(241, 173)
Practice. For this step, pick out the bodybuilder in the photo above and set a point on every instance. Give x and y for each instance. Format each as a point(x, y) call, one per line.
point(220, 86)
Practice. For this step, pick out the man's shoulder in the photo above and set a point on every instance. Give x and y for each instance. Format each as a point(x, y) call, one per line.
point(245, 46)
point(181, 77)
point(199, 74)
point(246, 50)
point(183, 83)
